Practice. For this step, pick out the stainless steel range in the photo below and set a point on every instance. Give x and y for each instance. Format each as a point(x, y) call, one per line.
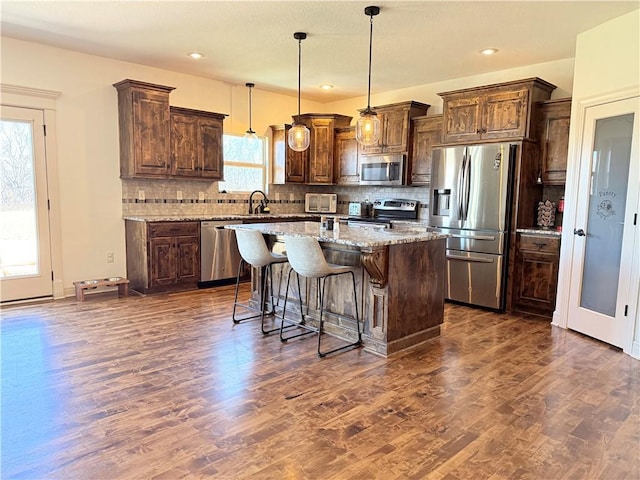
point(385, 211)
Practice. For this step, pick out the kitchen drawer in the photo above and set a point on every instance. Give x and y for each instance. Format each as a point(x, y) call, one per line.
point(539, 243)
point(172, 229)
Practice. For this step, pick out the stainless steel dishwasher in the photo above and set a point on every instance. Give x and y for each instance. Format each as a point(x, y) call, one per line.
point(219, 255)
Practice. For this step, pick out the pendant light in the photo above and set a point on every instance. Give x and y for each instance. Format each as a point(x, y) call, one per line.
point(368, 125)
point(299, 135)
point(250, 134)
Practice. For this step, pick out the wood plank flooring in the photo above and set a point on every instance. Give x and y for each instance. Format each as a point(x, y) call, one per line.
point(165, 387)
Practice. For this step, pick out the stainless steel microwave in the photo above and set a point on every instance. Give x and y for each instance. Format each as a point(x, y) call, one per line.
point(382, 169)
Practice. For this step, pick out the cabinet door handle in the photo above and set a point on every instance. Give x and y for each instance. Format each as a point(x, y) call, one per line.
point(579, 232)
point(539, 244)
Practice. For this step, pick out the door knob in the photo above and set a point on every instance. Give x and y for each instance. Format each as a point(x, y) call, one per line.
point(579, 232)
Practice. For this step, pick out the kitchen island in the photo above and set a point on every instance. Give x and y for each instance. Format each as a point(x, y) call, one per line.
point(399, 281)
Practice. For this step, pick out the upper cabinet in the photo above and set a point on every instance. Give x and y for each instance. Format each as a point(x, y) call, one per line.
point(492, 112)
point(289, 166)
point(553, 124)
point(427, 132)
point(395, 126)
point(347, 157)
point(315, 165)
point(143, 111)
point(196, 143)
point(157, 140)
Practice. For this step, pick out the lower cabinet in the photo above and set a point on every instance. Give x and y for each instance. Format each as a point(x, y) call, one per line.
point(536, 274)
point(162, 256)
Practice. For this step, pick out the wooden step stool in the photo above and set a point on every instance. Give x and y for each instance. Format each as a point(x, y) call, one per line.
point(121, 282)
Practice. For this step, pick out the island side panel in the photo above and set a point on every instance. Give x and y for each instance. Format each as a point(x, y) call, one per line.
point(415, 293)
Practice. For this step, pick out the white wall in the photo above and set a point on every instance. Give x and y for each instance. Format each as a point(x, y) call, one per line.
point(90, 200)
point(87, 131)
point(607, 61)
point(559, 73)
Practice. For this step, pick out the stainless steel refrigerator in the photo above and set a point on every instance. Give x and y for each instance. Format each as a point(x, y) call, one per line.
point(470, 201)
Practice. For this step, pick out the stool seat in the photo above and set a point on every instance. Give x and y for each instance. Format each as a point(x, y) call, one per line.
point(307, 259)
point(254, 251)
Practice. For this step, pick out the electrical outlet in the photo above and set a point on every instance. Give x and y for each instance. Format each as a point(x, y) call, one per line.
point(277, 196)
point(110, 257)
point(141, 195)
point(201, 196)
point(179, 194)
point(291, 198)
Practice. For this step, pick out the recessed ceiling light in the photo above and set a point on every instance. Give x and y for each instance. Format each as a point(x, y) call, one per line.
point(196, 55)
point(489, 51)
point(326, 86)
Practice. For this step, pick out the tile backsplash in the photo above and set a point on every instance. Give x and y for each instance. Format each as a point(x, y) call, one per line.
point(189, 197)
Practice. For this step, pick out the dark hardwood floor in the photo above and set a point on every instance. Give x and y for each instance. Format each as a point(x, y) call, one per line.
point(165, 387)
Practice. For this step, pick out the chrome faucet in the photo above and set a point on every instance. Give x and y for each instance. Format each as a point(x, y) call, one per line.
point(262, 205)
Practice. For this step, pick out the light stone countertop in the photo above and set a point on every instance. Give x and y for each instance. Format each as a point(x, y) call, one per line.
point(221, 217)
point(344, 234)
point(552, 232)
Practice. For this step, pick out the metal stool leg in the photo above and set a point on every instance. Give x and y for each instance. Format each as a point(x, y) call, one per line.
point(263, 297)
point(293, 324)
point(355, 344)
point(235, 300)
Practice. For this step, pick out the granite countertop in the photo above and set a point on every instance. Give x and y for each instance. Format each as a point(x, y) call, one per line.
point(540, 231)
point(221, 217)
point(344, 234)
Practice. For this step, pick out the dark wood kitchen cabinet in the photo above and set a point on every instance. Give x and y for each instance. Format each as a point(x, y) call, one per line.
point(492, 112)
point(289, 166)
point(395, 126)
point(196, 143)
point(347, 157)
point(536, 273)
point(315, 165)
point(553, 123)
point(144, 129)
point(427, 132)
point(162, 256)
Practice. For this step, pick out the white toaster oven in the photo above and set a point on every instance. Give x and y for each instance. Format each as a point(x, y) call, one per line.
point(320, 203)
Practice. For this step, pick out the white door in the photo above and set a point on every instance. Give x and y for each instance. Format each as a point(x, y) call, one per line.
point(25, 252)
point(604, 279)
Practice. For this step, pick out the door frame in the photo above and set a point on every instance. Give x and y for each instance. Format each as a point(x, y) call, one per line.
point(45, 101)
point(576, 135)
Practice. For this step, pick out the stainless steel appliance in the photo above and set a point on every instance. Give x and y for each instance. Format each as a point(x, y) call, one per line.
point(219, 255)
point(320, 203)
point(383, 170)
point(470, 201)
point(385, 211)
point(360, 209)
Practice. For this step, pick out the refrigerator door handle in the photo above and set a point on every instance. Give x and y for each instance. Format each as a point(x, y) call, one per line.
point(467, 193)
point(460, 198)
point(469, 259)
point(473, 237)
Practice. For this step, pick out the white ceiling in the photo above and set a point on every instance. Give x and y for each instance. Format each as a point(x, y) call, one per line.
point(414, 42)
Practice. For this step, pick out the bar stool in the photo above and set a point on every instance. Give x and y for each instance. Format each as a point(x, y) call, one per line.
point(307, 260)
point(254, 251)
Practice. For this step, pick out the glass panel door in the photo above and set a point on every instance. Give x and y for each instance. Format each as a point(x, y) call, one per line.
point(25, 258)
point(604, 234)
point(605, 221)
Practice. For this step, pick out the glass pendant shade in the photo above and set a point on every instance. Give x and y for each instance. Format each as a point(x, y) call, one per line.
point(368, 125)
point(299, 138)
point(368, 129)
point(299, 135)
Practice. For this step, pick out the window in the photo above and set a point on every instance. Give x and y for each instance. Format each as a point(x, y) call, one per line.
point(245, 164)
